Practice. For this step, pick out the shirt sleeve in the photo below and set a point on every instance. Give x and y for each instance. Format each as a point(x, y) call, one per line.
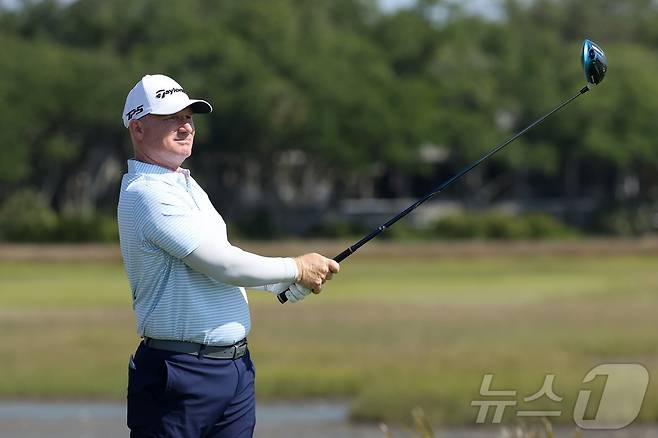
point(218, 259)
point(169, 223)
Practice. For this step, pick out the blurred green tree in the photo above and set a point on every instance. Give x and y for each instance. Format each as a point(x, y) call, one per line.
point(333, 97)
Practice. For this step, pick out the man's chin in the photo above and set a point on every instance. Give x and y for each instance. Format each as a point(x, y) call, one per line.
point(184, 148)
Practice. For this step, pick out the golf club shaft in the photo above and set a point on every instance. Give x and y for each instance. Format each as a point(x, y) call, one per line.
point(374, 233)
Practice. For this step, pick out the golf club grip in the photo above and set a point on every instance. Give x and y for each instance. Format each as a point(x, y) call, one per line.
point(339, 258)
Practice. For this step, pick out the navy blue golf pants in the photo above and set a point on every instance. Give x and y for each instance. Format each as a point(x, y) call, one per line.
point(178, 395)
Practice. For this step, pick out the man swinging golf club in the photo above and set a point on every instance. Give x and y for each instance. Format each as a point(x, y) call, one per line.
point(191, 376)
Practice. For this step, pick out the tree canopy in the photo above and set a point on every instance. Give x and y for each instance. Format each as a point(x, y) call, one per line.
point(316, 101)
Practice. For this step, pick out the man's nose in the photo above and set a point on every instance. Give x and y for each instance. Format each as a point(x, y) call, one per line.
point(187, 127)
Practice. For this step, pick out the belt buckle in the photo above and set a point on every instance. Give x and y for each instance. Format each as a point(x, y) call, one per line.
point(241, 350)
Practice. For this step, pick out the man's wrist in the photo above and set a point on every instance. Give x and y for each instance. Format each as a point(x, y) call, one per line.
point(293, 267)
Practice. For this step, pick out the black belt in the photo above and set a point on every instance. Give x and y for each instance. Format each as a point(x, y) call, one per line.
point(234, 351)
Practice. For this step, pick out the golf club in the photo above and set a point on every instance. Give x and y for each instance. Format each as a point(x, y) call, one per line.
point(595, 65)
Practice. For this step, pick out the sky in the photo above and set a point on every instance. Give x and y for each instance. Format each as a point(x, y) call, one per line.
point(488, 8)
point(391, 5)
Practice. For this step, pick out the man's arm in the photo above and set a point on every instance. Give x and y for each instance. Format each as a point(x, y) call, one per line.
point(218, 259)
point(186, 234)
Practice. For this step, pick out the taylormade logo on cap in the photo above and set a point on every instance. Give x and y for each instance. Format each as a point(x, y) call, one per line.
point(159, 94)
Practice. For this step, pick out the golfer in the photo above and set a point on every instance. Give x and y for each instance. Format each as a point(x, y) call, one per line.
point(191, 376)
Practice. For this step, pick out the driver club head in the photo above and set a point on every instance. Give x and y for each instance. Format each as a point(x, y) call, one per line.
point(595, 64)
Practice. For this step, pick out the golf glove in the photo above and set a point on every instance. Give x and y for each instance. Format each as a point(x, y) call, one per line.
point(296, 293)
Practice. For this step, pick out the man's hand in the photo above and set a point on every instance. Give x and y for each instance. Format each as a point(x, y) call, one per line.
point(295, 292)
point(314, 271)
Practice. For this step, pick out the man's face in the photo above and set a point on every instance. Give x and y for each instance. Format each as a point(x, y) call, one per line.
point(168, 139)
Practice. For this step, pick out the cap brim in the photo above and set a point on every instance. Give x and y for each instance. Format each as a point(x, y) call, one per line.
point(197, 106)
point(200, 106)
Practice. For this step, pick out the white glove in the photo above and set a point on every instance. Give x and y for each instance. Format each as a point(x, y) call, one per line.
point(296, 293)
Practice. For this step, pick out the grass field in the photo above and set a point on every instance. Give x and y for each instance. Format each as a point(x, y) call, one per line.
point(389, 333)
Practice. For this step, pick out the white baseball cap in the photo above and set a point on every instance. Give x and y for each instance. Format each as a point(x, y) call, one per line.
point(159, 94)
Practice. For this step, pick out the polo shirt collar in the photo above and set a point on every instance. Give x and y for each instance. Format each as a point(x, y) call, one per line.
point(135, 166)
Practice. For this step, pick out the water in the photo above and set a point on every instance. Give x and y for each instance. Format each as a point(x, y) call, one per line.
point(107, 420)
point(318, 419)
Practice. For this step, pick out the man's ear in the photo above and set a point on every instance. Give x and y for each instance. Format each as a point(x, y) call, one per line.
point(136, 129)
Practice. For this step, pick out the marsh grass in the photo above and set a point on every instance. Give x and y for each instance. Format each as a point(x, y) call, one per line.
point(422, 428)
point(388, 334)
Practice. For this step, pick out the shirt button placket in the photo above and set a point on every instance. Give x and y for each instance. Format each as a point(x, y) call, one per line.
point(188, 187)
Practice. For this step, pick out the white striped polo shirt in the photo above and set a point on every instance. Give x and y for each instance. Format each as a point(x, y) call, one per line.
point(161, 216)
